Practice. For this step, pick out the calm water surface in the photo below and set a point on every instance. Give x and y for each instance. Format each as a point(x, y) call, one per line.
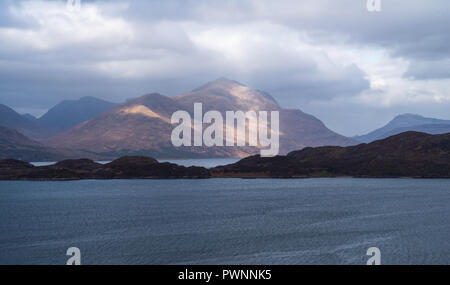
point(226, 221)
point(208, 163)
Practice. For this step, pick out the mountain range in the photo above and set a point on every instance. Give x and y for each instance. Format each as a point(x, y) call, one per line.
point(143, 126)
point(97, 129)
point(404, 123)
point(56, 120)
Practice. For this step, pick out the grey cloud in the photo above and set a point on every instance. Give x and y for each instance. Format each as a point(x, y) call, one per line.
point(412, 29)
point(428, 70)
point(409, 27)
point(67, 71)
point(308, 85)
point(170, 62)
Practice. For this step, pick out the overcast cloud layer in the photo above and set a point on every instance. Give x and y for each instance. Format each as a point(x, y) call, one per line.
point(353, 69)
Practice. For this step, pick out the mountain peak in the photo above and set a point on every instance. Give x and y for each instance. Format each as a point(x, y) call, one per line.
point(225, 95)
point(89, 98)
point(407, 122)
point(69, 113)
point(409, 119)
point(228, 81)
point(408, 116)
point(152, 96)
point(151, 99)
point(220, 83)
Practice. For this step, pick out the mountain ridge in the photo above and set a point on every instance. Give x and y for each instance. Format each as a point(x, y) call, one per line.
point(69, 113)
point(406, 122)
point(142, 126)
point(9, 118)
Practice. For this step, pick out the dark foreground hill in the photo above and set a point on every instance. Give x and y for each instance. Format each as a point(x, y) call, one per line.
point(122, 168)
point(409, 154)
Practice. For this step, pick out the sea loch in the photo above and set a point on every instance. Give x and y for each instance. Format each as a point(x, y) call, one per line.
point(226, 221)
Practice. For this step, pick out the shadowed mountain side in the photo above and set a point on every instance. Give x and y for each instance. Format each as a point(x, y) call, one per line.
point(409, 154)
point(301, 130)
point(70, 113)
point(15, 145)
point(61, 117)
point(13, 120)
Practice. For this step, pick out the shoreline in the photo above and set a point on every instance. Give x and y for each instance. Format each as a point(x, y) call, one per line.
point(213, 177)
point(408, 155)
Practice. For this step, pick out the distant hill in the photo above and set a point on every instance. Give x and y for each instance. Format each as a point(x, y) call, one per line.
point(142, 126)
point(15, 145)
point(70, 113)
point(407, 122)
point(409, 154)
point(58, 119)
point(13, 120)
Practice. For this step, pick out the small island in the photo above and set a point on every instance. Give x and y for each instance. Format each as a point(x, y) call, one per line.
point(129, 167)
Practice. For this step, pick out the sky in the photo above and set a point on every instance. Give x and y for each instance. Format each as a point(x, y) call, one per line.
point(353, 69)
